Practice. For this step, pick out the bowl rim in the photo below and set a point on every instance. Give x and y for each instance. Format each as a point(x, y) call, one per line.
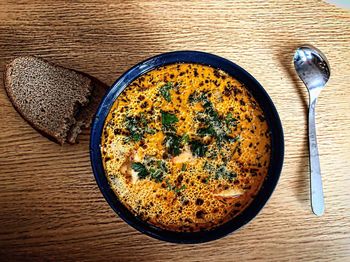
point(260, 95)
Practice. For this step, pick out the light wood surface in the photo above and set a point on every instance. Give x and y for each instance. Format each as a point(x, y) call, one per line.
point(50, 205)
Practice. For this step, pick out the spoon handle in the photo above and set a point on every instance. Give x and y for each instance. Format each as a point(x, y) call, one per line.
point(317, 202)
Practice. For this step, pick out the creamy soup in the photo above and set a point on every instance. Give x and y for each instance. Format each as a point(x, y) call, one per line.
point(186, 147)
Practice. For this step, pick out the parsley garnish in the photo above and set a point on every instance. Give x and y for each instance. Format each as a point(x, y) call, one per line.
point(230, 120)
point(141, 170)
point(157, 169)
point(198, 148)
point(185, 138)
point(172, 141)
point(165, 91)
point(168, 118)
point(137, 127)
point(171, 187)
point(215, 125)
point(222, 172)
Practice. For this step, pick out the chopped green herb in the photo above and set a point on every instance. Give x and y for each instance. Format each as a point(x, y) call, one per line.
point(156, 175)
point(232, 139)
point(223, 138)
point(150, 131)
point(137, 127)
point(173, 143)
point(196, 97)
point(208, 167)
point(162, 165)
point(157, 169)
point(230, 120)
point(171, 187)
point(210, 111)
point(178, 190)
point(198, 148)
point(222, 172)
point(218, 172)
point(184, 166)
point(207, 179)
point(205, 166)
point(237, 147)
point(168, 118)
point(206, 131)
point(165, 91)
point(185, 138)
point(215, 126)
point(230, 175)
point(224, 159)
point(141, 170)
point(143, 119)
point(212, 153)
point(136, 137)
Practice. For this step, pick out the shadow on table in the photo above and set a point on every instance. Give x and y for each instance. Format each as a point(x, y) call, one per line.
point(285, 57)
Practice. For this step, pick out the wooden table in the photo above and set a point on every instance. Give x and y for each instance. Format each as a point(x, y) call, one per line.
point(50, 205)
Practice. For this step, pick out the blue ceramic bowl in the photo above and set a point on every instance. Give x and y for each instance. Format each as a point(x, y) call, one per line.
point(261, 97)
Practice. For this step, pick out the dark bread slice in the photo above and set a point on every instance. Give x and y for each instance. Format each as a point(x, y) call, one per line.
point(48, 96)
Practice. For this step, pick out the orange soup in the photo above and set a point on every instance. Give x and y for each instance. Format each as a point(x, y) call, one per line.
point(186, 147)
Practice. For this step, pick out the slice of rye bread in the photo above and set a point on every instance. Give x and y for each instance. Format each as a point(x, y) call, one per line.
point(55, 100)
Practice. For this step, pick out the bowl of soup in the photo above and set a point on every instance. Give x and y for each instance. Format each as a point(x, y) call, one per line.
point(186, 147)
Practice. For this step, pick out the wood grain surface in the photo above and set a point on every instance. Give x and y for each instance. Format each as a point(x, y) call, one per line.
point(50, 206)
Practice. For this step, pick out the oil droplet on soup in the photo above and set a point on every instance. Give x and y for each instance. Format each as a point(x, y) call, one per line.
point(186, 147)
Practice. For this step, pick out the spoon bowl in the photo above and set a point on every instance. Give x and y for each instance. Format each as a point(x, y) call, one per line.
point(312, 67)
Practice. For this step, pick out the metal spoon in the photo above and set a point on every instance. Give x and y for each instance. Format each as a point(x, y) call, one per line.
point(313, 69)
